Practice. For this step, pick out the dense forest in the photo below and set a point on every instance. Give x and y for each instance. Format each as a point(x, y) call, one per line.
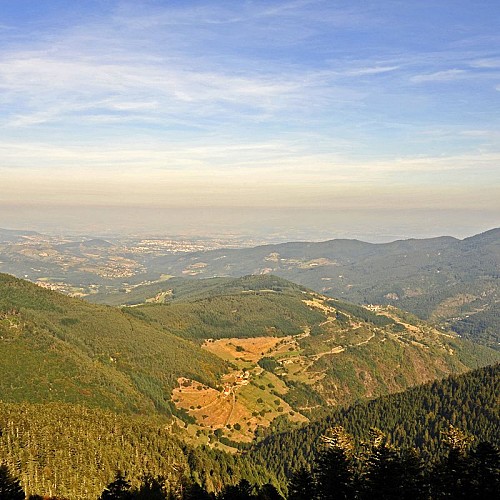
point(342, 469)
point(444, 280)
point(449, 282)
point(74, 452)
point(86, 393)
point(415, 418)
point(58, 348)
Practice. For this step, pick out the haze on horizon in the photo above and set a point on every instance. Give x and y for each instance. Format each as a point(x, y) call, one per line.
point(298, 119)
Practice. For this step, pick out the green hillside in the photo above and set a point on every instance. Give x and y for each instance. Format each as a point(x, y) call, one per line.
point(175, 289)
point(73, 452)
point(301, 351)
point(56, 348)
point(251, 306)
point(162, 291)
point(415, 418)
point(448, 281)
point(228, 357)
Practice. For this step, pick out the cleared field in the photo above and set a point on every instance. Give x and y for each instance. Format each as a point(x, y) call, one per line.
point(237, 410)
point(249, 350)
point(249, 398)
point(291, 375)
point(319, 304)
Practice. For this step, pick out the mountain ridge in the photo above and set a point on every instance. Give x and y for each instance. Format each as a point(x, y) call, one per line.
point(444, 280)
point(296, 346)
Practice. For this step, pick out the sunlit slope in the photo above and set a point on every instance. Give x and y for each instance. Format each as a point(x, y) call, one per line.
point(56, 348)
point(294, 351)
point(241, 351)
point(445, 280)
point(73, 451)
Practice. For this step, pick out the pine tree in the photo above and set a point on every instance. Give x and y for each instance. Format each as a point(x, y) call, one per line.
point(334, 469)
point(242, 491)
point(383, 476)
point(301, 485)
point(268, 492)
point(485, 471)
point(118, 489)
point(451, 477)
point(152, 488)
point(10, 488)
point(414, 478)
point(196, 492)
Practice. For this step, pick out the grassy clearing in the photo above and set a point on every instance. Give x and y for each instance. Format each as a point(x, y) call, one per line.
point(249, 397)
point(248, 350)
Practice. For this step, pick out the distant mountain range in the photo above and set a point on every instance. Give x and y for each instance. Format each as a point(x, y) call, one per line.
point(451, 282)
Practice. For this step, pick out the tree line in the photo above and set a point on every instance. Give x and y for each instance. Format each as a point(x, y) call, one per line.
point(416, 418)
point(343, 469)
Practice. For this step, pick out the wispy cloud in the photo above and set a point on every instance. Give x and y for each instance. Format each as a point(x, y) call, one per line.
point(440, 76)
point(269, 95)
point(375, 70)
point(56, 89)
point(486, 63)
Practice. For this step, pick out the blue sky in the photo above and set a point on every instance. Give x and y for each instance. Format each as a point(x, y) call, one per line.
point(306, 104)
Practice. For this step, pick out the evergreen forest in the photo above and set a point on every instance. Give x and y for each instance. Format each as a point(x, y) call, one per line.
point(439, 440)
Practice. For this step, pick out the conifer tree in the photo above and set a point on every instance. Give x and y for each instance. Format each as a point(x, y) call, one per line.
point(118, 489)
point(301, 485)
point(485, 471)
point(413, 475)
point(196, 492)
point(451, 477)
point(152, 488)
point(383, 477)
point(334, 470)
point(268, 492)
point(10, 488)
point(242, 491)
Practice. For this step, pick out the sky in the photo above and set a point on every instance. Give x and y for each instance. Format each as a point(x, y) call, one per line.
point(302, 117)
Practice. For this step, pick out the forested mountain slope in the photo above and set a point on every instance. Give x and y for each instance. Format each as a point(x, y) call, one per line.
point(57, 348)
point(415, 418)
point(449, 281)
point(228, 358)
point(73, 451)
point(294, 352)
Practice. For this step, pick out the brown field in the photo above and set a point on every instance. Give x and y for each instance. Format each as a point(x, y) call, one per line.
point(214, 409)
point(245, 396)
point(249, 350)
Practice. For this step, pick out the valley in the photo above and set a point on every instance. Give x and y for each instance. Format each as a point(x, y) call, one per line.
point(219, 364)
point(225, 359)
point(249, 250)
point(451, 283)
